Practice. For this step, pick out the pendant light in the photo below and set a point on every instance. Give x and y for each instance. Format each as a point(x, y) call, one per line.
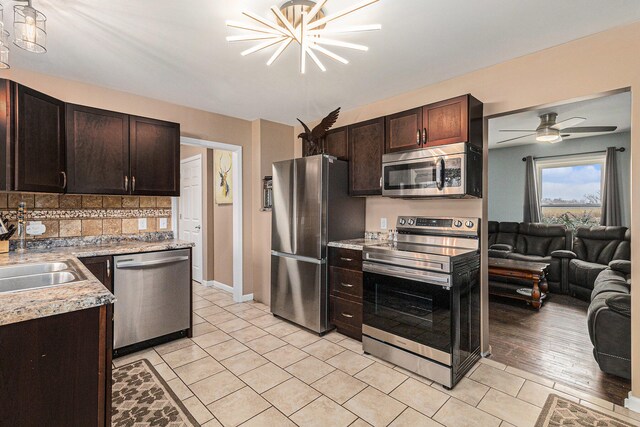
point(4, 42)
point(29, 28)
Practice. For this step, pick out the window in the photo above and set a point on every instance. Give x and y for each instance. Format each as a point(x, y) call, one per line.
point(570, 189)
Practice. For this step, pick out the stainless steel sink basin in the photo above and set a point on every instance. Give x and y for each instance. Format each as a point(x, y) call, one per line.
point(35, 281)
point(22, 277)
point(30, 269)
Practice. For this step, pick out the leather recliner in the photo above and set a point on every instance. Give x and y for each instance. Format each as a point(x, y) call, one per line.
point(534, 242)
point(593, 249)
point(609, 319)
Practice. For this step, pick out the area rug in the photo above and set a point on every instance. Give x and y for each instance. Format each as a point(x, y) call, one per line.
point(558, 411)
point(142, 398)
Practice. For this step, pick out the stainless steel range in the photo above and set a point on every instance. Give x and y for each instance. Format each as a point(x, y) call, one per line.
point(421, 307)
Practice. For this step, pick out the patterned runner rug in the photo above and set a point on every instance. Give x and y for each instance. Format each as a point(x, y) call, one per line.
point(142, 398)
point(558, 411)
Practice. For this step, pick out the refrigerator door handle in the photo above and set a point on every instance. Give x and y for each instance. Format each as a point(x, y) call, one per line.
point(299, 258)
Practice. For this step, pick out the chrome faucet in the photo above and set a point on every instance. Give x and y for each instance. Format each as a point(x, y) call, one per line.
point(22, 227)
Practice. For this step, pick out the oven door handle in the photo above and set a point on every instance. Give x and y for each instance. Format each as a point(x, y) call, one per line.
point(405, 273)
point(394, 259)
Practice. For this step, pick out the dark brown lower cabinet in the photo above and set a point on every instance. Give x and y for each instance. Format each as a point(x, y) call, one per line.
point(53, 371)
point(345, 285)
point(102, 268)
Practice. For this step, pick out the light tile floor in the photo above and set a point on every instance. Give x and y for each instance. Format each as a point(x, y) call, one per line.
point(245, 367)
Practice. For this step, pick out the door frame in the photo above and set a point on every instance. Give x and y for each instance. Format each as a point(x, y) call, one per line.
point(202, 216)
point(632, 402)
point(236, 190)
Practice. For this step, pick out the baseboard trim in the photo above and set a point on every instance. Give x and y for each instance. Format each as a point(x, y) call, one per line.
point(220, 285)
point(632, 403)
point(248, 297)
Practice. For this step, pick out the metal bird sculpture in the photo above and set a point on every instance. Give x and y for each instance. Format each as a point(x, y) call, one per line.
point(313, 138)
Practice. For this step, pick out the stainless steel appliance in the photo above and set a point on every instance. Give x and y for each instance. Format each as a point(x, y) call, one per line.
point(153, 296)
point(311, 207)
point(421, 302)
point(453, 170)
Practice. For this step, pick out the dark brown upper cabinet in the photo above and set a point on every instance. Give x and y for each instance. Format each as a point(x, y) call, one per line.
point(404, 131)
point(39, 150)
point(366, 145)
point(336, 143)
point(155, 157)
point(447, 122)
point(97, 151)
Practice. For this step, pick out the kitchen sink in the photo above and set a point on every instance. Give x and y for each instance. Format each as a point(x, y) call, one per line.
point(25, 277)
point(29, 269)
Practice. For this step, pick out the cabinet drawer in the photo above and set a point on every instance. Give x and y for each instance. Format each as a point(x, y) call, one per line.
point(347, 313)
point(347, 282)
point(350, 259)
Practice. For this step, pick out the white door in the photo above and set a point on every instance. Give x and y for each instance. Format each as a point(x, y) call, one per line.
point(190, 209)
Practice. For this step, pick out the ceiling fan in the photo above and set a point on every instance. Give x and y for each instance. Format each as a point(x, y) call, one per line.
point(552, 132)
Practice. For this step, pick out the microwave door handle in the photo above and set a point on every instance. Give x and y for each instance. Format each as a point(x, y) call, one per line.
point(440, 173)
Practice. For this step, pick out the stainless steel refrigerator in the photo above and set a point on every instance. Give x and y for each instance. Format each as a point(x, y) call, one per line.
point(311, 207)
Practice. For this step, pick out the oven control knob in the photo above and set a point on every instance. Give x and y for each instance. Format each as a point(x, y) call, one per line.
point(402, 221)
point(457, 223)
point(411, 221)
point(469, 224)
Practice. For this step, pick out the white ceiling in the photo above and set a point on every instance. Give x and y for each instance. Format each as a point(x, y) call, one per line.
point(613, 110)
point(176, 51)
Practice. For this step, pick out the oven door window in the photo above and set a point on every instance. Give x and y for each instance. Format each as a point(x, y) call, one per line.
point(423, 174)
point(417, 311)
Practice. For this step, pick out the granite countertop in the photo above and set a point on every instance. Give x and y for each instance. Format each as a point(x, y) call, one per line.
point(355, 244)
point(33, 304)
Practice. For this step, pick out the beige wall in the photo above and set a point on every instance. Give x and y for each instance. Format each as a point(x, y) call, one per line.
point(595, 64)
point(223, 238)
point(272, 142)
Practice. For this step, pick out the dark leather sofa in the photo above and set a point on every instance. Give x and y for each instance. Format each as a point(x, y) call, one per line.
point(533, 242)
point(593, 249)
point(609, 319)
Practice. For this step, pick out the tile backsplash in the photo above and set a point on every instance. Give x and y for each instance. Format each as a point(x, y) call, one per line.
point(66, 215)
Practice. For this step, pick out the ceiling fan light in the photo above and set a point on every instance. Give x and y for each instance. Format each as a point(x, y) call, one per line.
point(29, 28)
point(4, 50)
point(547, 135)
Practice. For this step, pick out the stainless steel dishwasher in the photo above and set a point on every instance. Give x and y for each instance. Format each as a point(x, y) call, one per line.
point(153, 292)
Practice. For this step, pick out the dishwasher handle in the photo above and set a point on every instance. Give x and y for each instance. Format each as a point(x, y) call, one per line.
point(142, 264)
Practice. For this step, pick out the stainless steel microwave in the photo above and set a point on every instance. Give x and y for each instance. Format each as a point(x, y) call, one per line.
point(453, 170)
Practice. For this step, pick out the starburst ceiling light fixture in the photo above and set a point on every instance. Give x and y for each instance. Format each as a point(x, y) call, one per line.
point(304, 22)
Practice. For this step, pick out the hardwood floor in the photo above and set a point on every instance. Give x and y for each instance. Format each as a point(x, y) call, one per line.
point(553, 343)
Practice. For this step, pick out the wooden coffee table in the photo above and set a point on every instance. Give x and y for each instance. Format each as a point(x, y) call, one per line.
point(533, 272)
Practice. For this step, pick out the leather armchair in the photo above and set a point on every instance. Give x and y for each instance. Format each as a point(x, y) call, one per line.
point(609, 319)
point(538, 242)
point(535, 243)
point(595, 248)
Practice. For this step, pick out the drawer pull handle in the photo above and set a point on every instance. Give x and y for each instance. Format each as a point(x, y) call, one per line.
point(348, 316)
point(346, 259)
point(346, 285)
